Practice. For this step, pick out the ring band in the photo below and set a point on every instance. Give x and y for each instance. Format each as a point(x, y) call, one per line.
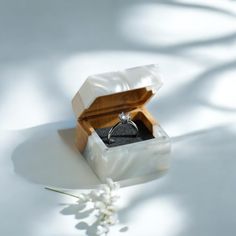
point(124, 119)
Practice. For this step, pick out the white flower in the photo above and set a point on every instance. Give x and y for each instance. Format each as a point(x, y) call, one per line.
point(112, 208)
point(94, 194)
point(106, 198)
point(99, 205)
point(112, 185)
point(106, 212)
point(112, 220)
point(114, 198)
point(106, 189)
point(102, 230)
point(83, 197)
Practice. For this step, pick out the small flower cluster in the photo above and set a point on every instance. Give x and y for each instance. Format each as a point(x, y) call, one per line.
point(103, 201)
point(106, 206)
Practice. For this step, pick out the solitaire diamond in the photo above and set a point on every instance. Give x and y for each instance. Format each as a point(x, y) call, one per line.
point(124, 118)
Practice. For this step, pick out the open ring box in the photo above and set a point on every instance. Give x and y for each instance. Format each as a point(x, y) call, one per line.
point(97, 106)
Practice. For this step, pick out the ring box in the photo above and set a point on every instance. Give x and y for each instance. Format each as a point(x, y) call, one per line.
point(97, 106)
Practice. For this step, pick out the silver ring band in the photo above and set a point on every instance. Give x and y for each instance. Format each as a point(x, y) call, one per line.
point(124, 119)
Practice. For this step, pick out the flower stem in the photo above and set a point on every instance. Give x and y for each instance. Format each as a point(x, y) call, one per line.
point(58, 191)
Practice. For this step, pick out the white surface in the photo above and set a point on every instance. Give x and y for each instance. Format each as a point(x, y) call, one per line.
point(49, 47)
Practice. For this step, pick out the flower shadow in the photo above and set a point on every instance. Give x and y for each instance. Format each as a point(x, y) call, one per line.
point(81, 213)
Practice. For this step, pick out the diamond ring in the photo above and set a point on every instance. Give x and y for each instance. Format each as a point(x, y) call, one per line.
point(124, 119)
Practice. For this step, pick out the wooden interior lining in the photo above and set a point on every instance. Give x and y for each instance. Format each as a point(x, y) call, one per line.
point(118, 101)
point(81, 137)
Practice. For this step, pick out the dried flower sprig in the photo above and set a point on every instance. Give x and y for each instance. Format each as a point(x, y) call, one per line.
point(103, 201)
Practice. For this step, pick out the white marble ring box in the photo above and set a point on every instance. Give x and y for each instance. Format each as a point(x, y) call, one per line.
point(97, 106)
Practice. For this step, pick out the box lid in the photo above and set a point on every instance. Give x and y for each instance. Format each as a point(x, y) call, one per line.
point(120, 90)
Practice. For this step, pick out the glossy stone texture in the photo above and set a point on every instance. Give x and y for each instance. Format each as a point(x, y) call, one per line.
point(136, 160)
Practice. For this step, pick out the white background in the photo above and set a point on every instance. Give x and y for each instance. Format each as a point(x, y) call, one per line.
point(48, 48)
